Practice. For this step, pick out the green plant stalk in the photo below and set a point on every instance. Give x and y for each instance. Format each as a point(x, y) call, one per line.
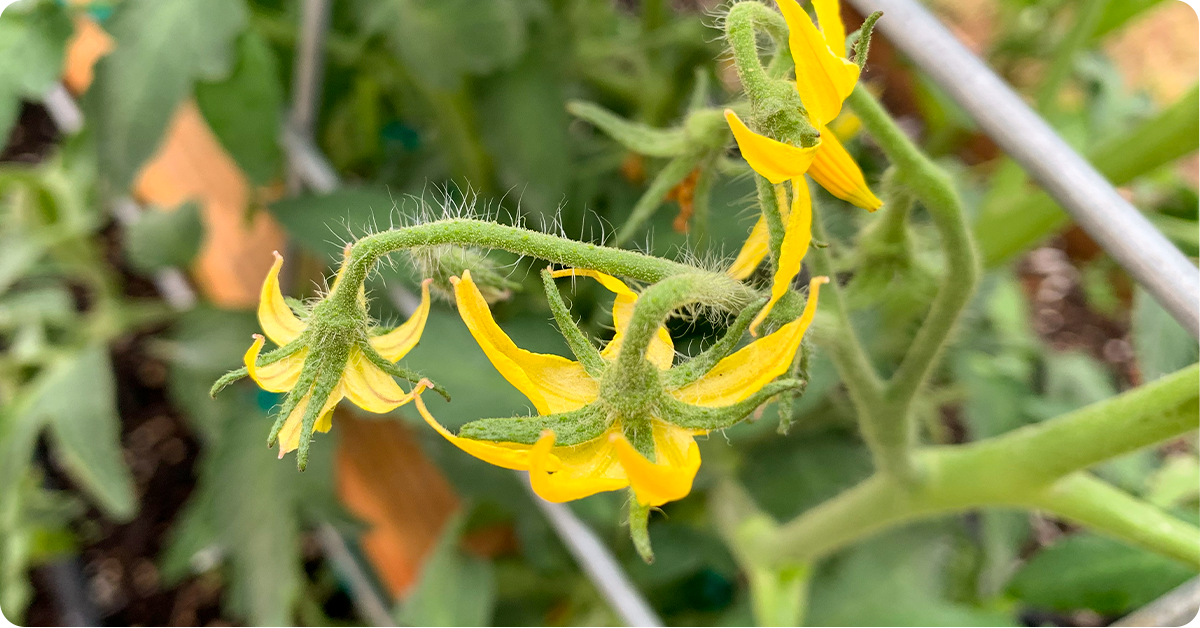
point(889, 427)
point(1083, 25)
point(743, 19)
point(1037, 467)
point(1006, 230)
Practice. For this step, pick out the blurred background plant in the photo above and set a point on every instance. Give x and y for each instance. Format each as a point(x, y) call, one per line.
point(127, 495)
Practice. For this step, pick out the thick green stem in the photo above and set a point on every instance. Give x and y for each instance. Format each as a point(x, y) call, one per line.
point(653, 307)
point(1037, 467)
point(935, 190)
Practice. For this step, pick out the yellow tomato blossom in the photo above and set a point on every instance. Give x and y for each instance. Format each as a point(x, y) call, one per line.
point(362, 381)
point(559, 386)
point(824, 78)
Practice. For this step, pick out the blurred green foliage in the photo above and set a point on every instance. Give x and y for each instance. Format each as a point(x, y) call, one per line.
point(463, 103)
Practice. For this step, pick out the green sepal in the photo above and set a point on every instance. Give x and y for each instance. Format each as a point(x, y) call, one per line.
point(639, 520)
point(692, 417)
point(862, 38)
point(638, 138)
point(570, 428)
point(395, 370)
point(583, 349)
point(326, 383)
point(265, 359)
point(695, 368)
point(787, 400)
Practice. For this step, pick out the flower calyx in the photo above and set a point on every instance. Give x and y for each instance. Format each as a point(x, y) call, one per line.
point(327, 354)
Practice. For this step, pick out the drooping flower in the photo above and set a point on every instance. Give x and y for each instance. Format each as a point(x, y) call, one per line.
point(824, 78)
point(342, 359)
point(590, 436)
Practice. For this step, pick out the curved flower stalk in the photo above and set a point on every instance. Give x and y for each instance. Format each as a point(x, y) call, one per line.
point(824, 78)
point(601, 427)
point(324, 356)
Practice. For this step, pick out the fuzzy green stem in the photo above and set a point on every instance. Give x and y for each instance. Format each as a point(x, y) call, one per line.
point(768, 202)
point(741, 23)
point(1038, 466)
point(653, 307)
point(481, 233)
point(935, 190)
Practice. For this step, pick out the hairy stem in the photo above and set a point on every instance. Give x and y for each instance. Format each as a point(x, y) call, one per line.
point(741, 24)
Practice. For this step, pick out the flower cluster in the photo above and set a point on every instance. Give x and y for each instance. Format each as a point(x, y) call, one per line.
point(824, 78)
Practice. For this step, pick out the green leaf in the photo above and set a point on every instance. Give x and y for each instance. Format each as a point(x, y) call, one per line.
point(1160, 343)
point(1088, 571)
point(33, 39)
point(164, 238)
point(523, 120)
point(254, 513)
point(454, 589)
point(162, 48)
point(439, 41)
point(245, 110)
point(899, 578)
point(80, 403)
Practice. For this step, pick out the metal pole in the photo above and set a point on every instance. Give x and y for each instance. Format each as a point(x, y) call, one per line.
point(597, 561)
point(1090, 199)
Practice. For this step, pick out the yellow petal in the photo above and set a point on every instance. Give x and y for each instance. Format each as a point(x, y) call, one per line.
point(661, 351)
point(289, 436)
point(276, 377)
point(370, 388)
point(774, 160)
point(552, 383)
point(753, 250)
point(845, 127)
point(745, 372)
point(567, 484)
point(397, 343)
point(796, 237)
point(671, 477)
point(829, 18)
point(506, 455)
point(276, 318)
point(823, 79)
point(835, 170)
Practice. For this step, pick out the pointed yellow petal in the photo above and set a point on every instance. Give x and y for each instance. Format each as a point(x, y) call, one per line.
point(552, 383)
point(397, 343)
point(796, 237)
point(835, 170)
point(745, 372)
point(276, 318)
point(661, 351)
point(289, 436)
point(277, 377)
point(753, 250)
point(370, 388)
point(774, 160)
point(823, 79)
point(829, 18)
point(506, 455)
point(668, 480)
point(567, 484)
